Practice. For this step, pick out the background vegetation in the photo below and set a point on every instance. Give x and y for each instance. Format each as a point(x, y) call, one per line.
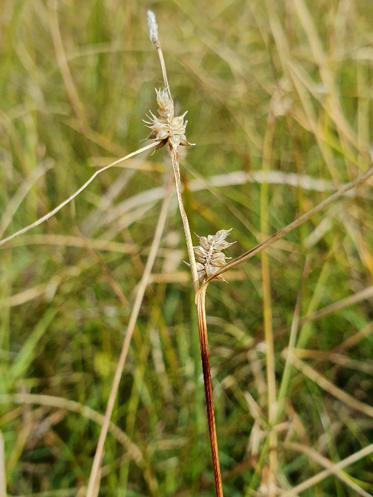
point(282, 87)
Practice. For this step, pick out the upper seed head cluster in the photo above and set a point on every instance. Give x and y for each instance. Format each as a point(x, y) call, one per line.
point(167, 128)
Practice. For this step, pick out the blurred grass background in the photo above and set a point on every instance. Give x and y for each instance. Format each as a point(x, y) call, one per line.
point(277, 92)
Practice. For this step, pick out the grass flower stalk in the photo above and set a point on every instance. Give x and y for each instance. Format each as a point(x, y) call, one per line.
point(166, 128)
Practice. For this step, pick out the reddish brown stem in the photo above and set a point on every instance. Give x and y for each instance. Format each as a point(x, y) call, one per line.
point(202, 327)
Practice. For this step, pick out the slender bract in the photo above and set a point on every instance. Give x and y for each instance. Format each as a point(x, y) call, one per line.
point(50, 214)
point(297, 222)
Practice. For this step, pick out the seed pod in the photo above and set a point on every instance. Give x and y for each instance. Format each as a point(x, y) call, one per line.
point(209, 256)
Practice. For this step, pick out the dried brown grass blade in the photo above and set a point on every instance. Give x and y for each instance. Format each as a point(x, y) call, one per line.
point(331, 469)
point(94, 476)
point(329, 387)
point(73, 406)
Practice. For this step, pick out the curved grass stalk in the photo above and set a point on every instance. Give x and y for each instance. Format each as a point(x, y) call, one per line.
point(94, 478)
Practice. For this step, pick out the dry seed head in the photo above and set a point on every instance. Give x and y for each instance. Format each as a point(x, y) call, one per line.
point(165, 104)
point(209, 256)
point(152, 26)
point(167, 128)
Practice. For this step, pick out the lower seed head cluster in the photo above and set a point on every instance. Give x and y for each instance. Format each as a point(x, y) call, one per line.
point(209, 256)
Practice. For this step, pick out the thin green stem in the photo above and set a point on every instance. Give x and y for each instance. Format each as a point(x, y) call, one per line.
point(184, 217)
